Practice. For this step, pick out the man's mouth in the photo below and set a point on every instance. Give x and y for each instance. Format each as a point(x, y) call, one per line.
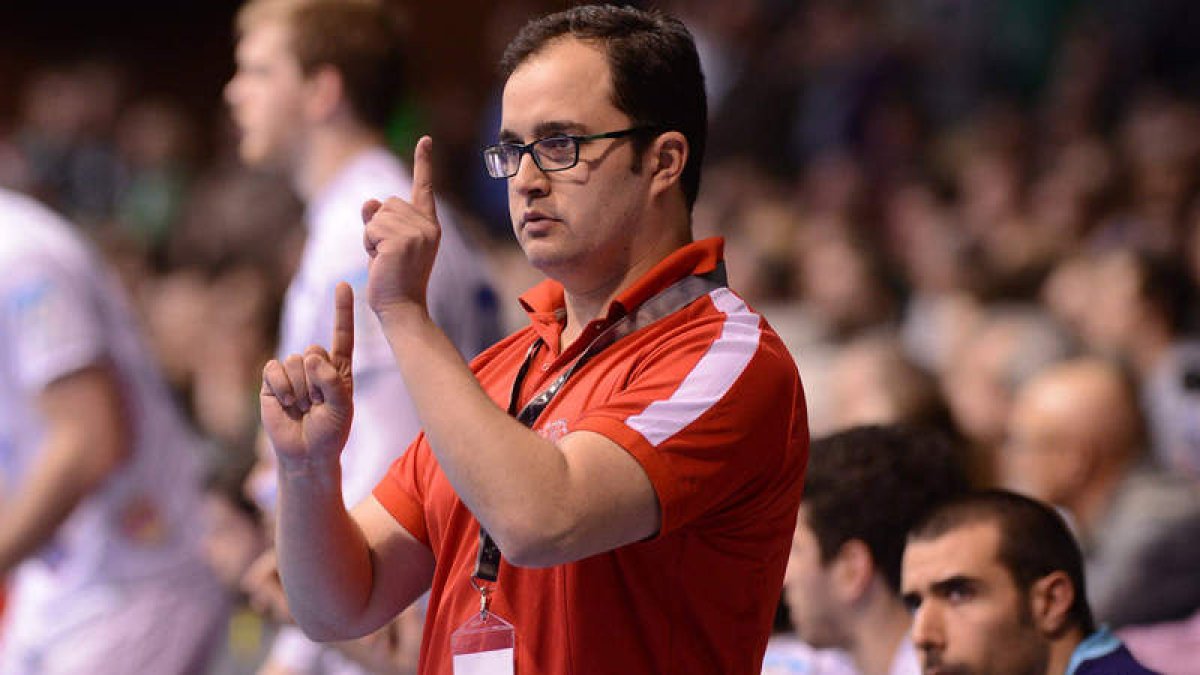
point(535, 215)
point(534, 221)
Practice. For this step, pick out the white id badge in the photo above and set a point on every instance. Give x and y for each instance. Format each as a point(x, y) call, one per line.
point(483, 646)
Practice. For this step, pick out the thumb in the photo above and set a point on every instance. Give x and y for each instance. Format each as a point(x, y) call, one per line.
point(369, 208)
point(422, 184)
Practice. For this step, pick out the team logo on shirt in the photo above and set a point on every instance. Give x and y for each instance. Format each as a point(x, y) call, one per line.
point(38, 308)
point(554, 431)
point(141, 522)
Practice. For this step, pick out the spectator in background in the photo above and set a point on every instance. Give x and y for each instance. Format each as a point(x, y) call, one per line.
point(154, 141)
point(871, 380)
point(865, 488)
point(845, 292)
point(1139, 310)
point(315, 83)
point(845, 281)
point(1169, 647)
point(932, 255)
point(1066, 292)
point(1009, 345)
point(1075, 441)
point(1157, 140)
point(100, 473)
point(995, 584)
point(64, 140)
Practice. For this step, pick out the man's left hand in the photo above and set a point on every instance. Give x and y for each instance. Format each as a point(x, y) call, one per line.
point(401, 237)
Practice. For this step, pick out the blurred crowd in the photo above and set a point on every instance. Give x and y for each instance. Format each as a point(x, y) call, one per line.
point(934, 202)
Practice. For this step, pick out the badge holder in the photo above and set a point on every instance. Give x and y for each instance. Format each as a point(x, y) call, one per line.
point(485, 644)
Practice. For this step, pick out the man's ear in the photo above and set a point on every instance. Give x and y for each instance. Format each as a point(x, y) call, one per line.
point(326, 93)
point(1050, 600)
point(666, 158)
point(852, 570)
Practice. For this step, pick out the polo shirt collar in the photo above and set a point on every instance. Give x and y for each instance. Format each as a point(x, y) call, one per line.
point(1097, 645)
point(546, 303)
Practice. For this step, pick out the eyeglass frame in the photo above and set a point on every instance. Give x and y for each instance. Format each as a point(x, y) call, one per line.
point(527, 148)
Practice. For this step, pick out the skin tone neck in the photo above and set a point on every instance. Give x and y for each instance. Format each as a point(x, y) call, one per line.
point(1089, 505)
point(591, 302)
point(1149, 344)
point(1061, 651)
point(877, 630)
point(327, 149)
point(868, 618)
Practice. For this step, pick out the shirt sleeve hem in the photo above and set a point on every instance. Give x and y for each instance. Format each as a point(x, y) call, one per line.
point(407, 512)
point(652, 462)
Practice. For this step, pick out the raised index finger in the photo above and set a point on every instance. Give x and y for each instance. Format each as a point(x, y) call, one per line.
point(422, 184)
point(342, 347)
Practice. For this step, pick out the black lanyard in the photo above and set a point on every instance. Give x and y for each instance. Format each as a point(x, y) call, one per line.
point(674, 298)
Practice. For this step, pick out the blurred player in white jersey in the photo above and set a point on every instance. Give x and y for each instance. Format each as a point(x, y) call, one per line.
point(315, 84)
point(99, 484)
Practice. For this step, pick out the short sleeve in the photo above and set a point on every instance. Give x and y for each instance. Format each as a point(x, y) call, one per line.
point(714, 415)
point(402, 491)
point(53, 323)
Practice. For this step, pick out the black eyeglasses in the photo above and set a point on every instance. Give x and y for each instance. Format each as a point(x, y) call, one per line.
point(553, 153)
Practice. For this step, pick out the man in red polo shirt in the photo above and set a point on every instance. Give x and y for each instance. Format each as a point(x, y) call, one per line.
point(635, 455)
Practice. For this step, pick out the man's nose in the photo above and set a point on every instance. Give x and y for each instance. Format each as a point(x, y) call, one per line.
point(529, 177)
point(928, 628)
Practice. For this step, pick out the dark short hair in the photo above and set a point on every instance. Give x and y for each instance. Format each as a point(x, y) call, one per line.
point(871, 483)
point(361, 39)
point(1034, 540)
point(656, 76)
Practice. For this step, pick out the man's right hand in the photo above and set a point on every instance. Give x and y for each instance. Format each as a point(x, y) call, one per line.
point(306, 401)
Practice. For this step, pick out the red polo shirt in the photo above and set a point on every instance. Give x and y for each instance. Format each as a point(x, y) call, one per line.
point(709, 402)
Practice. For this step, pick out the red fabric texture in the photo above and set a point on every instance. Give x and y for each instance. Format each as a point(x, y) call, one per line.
point(700, 596)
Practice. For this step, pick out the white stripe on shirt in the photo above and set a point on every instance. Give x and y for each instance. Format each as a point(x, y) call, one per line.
point(712, 376)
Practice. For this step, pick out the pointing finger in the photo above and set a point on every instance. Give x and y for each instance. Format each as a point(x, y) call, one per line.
point(422, 184)
point(341, 348)
point(318, 350)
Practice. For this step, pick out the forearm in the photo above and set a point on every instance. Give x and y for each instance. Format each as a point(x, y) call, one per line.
point(514, 481)
point(44, 499)
point(86, 439)
point(324, 559)
point(345, 574)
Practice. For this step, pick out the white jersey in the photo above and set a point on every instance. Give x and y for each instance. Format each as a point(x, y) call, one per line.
point(787, 655)
point(60, 311)
point(905, 661)
point(461, 301)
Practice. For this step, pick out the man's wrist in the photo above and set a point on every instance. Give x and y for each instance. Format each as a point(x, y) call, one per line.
point(318, 470)
point(403, 317)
